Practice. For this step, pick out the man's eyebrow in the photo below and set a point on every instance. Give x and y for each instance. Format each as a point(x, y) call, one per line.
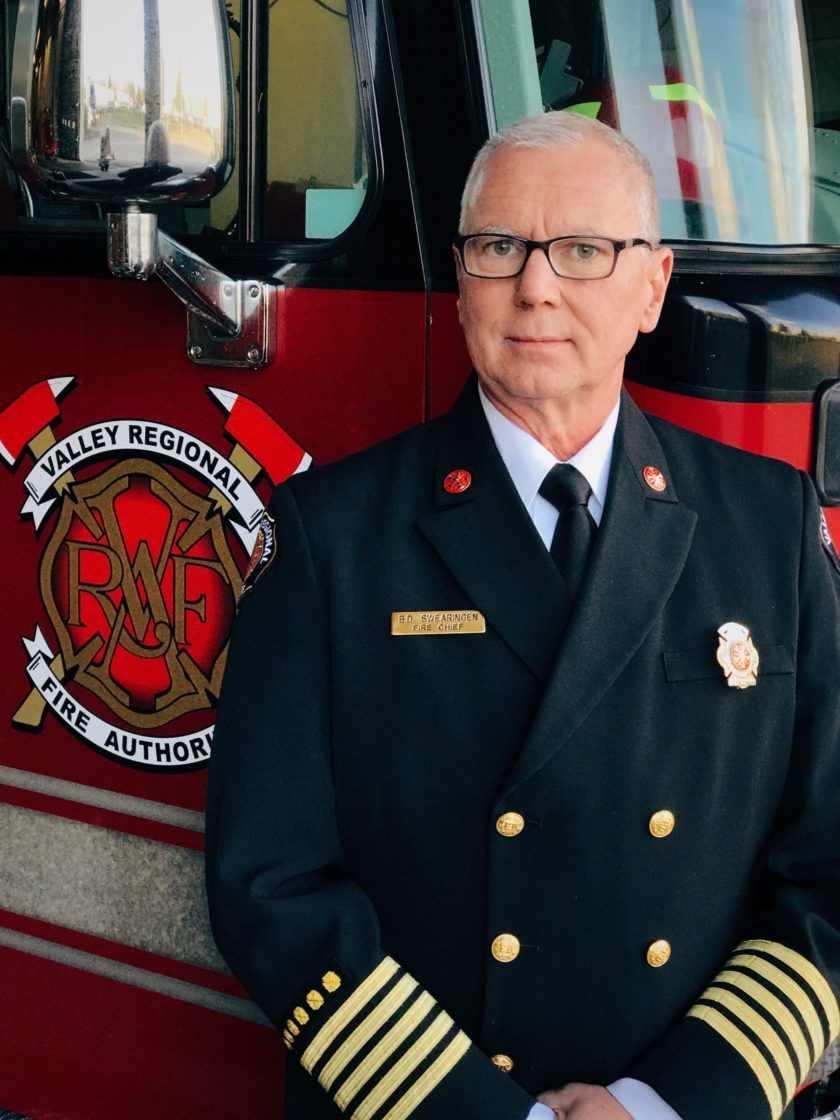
point(503, 230)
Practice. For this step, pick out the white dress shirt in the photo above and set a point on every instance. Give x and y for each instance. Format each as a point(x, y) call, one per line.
point(528, 462)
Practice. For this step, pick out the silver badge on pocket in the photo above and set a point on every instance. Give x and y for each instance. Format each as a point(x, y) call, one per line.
point(737, 655)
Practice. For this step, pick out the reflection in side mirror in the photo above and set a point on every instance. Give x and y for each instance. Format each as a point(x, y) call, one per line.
point(128, 101)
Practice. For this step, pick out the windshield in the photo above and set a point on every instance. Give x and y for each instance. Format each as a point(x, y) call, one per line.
point(736, 103)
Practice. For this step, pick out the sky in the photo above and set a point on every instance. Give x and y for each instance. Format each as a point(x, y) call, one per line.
point(112, 46)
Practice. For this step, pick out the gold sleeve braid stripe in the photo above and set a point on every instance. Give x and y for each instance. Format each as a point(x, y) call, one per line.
point(384, 1049)
point(385, 1075)
point(401, 1070)
point(347, 1012)
point(768, 1019)
point(435, 1073)
point(788, 987)
point(761, 1029)
point(812, 976)
point(365, 1031)
point(778, 1011)
point(748, 1051)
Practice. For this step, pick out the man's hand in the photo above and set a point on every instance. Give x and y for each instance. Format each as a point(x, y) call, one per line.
point(584, 1102)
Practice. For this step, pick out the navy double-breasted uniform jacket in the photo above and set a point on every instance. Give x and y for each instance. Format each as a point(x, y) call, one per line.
point(457, 868)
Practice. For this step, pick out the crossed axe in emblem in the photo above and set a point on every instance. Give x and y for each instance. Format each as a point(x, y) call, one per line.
point(27, 423)
point(259, 444)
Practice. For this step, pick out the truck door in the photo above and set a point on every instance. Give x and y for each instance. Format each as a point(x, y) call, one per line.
point(134, 471)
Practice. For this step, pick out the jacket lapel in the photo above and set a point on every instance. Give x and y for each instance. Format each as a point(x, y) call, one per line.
point(486, 538)
point(637, 558)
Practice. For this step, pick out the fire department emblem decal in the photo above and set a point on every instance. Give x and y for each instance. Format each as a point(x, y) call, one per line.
point(137, 578)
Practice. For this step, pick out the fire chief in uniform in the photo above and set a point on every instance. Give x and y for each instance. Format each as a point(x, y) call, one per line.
point(522, 799)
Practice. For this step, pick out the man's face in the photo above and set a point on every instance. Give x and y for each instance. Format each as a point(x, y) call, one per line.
point(538, 336)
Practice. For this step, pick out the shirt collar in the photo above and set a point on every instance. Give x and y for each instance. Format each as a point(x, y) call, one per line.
point(528, 461)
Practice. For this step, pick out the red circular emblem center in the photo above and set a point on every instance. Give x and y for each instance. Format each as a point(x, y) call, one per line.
point(457, 481)
point(655, 479)
point(740, 656)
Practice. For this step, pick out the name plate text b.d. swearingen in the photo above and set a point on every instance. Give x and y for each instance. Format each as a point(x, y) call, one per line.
point(437, 622)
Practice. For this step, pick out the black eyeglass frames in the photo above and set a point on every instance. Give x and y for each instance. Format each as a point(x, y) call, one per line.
point(497, 256)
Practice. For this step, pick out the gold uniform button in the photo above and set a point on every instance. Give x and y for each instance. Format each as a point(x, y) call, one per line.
point(505, 947)
point(658, 953)
point(662, 823)
point(503, 1062)
point(510, 824)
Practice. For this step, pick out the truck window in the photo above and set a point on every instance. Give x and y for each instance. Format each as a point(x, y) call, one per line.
point(317, 169)
point(736, 104)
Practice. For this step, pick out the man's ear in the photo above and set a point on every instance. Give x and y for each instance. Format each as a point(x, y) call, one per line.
point(458, 274)
point(659, 273)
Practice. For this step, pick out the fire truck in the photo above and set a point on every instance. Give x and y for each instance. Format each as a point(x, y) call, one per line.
point(284, 175)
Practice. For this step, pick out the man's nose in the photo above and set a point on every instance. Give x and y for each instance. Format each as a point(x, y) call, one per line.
point(537, 283)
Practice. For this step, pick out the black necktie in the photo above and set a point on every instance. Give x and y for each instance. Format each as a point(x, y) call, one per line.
point(568, 491)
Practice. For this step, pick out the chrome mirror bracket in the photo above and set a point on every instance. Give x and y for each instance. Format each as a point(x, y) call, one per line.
point(253, 347)
point(229, 322)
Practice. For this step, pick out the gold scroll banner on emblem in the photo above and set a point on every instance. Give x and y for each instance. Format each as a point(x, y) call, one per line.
point(438, 622)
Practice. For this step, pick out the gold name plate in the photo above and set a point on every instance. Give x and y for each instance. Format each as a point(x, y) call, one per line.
point(438, 622)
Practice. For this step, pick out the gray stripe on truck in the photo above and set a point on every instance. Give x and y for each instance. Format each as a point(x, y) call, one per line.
point(102, 799)
point(136, 977)
point(128, 889)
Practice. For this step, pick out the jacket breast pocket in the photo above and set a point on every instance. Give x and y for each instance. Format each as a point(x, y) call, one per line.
point(701, 664)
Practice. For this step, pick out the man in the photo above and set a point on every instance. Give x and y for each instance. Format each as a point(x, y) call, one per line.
point(511, 803)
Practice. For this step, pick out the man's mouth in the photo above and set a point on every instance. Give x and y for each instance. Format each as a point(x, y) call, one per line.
point(534, 340)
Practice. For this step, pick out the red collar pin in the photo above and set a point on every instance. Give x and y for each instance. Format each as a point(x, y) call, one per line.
point(655, 479)
point(456, 482)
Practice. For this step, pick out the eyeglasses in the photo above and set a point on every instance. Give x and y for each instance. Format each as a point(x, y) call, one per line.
point(495, 256)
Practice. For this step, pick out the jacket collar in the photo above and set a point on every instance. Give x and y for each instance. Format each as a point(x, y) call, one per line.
point(487, 540)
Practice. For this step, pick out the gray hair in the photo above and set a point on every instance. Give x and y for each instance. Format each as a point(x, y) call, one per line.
point(563, 129)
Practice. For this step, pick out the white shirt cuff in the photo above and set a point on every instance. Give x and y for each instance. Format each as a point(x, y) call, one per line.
point(640, 1100)
point(541, 1112)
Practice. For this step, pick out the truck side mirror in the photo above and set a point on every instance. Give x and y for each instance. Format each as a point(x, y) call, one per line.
point(129, 104)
